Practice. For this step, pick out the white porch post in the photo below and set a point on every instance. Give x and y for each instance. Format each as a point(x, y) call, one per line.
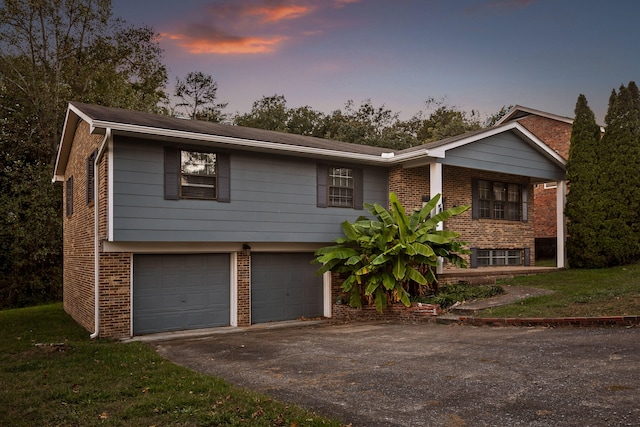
point(561, 200)
point(435, 187)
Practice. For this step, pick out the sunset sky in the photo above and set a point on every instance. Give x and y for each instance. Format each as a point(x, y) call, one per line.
point(477, 54)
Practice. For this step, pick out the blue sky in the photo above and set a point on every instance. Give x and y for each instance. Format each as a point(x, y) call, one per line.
point(477, 54)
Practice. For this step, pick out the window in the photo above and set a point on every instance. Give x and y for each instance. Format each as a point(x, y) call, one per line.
point(339, 186)
point(489, 257)
point(499, 200)
point(194, 174)
point(69, 196)
point(500, 257)
point(197, 175)
point(90, 176)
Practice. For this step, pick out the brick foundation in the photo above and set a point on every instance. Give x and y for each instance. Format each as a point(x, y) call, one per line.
point(417, 312)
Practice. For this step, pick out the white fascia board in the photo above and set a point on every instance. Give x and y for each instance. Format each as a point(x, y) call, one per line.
point(262, 145)
point(73, 116)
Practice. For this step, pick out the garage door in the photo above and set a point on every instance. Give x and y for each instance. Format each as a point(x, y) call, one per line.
point(178, 292)
point(284, 287)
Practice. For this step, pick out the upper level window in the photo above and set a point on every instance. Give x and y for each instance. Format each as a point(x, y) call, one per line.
point(498, 200)
point(198, 175)
point(341, 185)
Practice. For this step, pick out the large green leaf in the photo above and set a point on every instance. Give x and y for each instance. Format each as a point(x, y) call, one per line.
point(423, 250)
point(399, 269)
point(415, 275)
point(388, 281)
point(349, 230)
point(381, 259)
point(380, 300)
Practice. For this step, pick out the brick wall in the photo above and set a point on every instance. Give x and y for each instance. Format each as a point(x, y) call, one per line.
point(78, 244)
point(485, 233)
point(78, 237)
point(556, 135)
point(244, 289)
point(115, 295)
point(410, 185)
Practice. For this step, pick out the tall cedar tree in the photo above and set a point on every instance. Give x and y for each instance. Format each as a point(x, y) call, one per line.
point(619, 180)
point(585, 207)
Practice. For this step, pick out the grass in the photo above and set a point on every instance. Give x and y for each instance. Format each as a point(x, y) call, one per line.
point(52, 374)
point(577, 293)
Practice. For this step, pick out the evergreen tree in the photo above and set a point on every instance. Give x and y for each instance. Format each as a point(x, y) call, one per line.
point(619, 181)
point(585, 206)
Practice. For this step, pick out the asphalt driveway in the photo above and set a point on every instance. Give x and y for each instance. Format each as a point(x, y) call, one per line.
point(381, 374)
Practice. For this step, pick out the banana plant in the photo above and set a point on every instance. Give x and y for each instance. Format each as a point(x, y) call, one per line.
point(385, 258)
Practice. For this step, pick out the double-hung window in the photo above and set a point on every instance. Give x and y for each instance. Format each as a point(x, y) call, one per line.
point(190, 173)
point(339, 186)
point(499, 200)
point(198, 175)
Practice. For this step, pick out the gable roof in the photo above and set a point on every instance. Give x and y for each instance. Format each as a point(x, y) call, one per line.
point(520, 111)
point(104, 120)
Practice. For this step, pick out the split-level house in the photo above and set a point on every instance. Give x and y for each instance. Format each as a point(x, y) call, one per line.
point(173, 224)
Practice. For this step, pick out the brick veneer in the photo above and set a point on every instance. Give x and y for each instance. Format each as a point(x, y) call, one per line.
point(78, 240)
point(412, 184)
point(244, 289)
point(486, 233)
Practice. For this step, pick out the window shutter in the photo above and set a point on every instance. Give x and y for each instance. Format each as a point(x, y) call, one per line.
point(474, 258)
point(90, 176)
point(475, 204)
point(527, 257)
point(171, 173)
point(321, 185)
point(223, 173)
point(69, 196)
point(358, 190)
point(525, 203)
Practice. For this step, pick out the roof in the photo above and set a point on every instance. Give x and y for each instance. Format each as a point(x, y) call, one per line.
point(519, 112)
point(116, 121)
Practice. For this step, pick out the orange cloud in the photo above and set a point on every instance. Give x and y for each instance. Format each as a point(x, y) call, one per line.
point(226, 46)
point(280, 12)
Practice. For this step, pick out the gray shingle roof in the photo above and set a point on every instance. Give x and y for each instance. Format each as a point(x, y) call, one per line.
point(137, 118)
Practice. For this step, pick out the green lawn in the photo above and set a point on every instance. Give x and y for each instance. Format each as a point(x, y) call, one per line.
point(52, 374)
point(578, 293)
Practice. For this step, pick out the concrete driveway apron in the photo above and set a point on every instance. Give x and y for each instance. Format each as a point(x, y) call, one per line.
point(385, 374)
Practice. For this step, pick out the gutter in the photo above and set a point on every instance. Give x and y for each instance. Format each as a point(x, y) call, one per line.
point(96, 237)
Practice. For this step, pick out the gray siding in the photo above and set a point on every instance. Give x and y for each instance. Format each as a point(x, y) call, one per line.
point(273, 199)
point(505, 153)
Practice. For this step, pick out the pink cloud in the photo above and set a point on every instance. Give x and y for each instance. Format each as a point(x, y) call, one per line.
point(248, 27)
point(280, 12)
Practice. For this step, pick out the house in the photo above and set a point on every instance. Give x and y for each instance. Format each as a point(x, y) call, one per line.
point(555, 131)
point(175, 224)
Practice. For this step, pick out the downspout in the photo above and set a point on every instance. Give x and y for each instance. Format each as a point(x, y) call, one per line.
point(96, 229)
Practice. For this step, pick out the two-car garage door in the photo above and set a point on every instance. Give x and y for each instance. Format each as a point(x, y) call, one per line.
point(192, 291)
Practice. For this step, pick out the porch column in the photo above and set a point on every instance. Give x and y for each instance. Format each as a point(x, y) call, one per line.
point(561, 200)
point(435, 182)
